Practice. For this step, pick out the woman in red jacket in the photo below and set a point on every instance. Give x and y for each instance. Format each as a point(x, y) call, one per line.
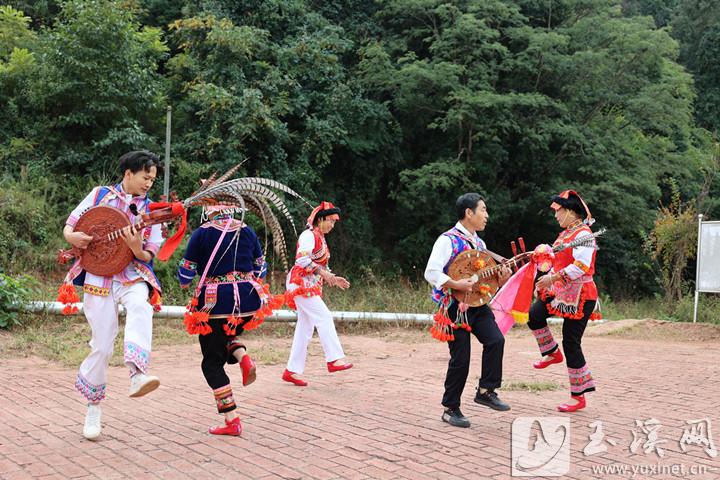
point(568, 291)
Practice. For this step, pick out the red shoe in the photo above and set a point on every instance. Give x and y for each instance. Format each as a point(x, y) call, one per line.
point(565, 407)
point(555, 357)
point(288, 377)
point(248, 370)
point(336, 368)
point(232, 427)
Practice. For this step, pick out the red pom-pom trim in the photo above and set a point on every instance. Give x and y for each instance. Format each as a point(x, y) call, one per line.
point(196, 323)
point(68, 295)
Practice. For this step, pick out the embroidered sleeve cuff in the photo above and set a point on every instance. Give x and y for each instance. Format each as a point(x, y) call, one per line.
point(302, 260)
point(184, 278)
point(187, 264)
point(72, 220)
point(581, 266)
point(312, 268)
point(186, 271)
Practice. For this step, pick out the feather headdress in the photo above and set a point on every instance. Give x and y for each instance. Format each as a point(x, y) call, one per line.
point(254, 194)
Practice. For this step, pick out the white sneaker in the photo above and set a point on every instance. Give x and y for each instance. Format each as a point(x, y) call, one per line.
point(141, 384)
point(92, 427)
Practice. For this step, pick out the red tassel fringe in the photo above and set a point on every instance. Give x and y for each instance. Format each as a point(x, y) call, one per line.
point(196, 323)
point(258, 318)
point(276, 302)
point(443, 327)
point(230, 327)
point(578, 314)
point(68, 295)
point(301, 292)
point(156, 300)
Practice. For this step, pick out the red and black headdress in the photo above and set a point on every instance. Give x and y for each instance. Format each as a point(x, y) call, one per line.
point(325, 209)
point(570, 200)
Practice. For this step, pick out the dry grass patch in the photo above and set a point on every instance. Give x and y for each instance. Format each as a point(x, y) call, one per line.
point(65, 339)
point(660, 330)
point(531, 386)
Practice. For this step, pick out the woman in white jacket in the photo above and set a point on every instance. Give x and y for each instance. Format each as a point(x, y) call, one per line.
point(304, 293)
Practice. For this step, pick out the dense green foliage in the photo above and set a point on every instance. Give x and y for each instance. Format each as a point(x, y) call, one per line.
point(390, 109)
point(13, 291)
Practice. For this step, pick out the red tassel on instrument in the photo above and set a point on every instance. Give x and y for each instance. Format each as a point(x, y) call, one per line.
point(69, 309)
point(442, 327)
point(67, 294)
point(173, 242)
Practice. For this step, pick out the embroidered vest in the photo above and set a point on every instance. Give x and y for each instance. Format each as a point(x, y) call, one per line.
point(145, 270)
point(460, 242)
point(321, 252)
point(568, 299)
point(565, 257)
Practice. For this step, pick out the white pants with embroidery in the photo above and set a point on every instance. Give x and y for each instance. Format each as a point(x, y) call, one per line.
point(102, 315)
point(312, 313)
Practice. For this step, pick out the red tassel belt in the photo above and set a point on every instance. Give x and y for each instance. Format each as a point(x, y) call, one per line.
point(198, 322)
point(290, 295)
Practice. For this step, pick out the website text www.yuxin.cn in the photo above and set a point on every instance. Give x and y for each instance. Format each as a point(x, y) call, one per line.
point(649, 470)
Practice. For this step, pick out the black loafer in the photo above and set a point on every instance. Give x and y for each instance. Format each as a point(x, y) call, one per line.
point(490, 399)
point(454, 417)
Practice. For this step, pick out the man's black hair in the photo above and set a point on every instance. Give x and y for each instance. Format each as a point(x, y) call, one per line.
point(139, 160)
point(465, 201)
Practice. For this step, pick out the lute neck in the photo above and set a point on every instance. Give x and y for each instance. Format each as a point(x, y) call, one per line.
point(115, 234)
point(514, 261)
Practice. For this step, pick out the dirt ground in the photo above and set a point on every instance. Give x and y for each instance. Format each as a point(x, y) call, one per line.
point(656, 405)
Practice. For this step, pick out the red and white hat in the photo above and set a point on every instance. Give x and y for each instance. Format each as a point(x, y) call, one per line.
point(572, 201)
point(325, 209)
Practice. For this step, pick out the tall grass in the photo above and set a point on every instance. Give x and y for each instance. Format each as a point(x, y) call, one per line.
point(659, 309)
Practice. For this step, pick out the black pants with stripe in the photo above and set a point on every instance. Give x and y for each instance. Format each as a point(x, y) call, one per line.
point(485, 329)
point(572, 330)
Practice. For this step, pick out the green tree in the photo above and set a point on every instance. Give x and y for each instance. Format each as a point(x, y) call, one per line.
point(532, 98)
point(91, 92)
point(662, 11)
point(17, 64)
point(697, 28)
point(274, 90)
point(673, 241)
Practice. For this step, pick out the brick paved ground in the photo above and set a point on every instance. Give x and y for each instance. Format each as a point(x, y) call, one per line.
point(379, 420)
